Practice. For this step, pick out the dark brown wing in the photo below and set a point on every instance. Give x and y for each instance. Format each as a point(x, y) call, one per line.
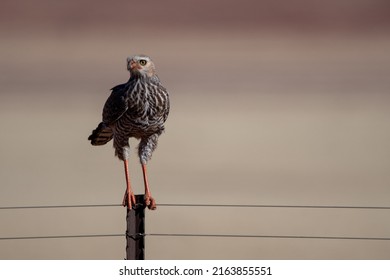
point(116, 104)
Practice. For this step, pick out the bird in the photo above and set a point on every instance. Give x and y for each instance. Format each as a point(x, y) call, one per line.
point(138, 109)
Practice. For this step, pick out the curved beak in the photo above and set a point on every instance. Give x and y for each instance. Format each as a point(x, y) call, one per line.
point(132, 64)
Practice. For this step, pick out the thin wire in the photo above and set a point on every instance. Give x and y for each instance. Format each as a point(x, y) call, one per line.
point(59, 206)
point(62, 236)
point(204, 205)
point(265, 236)
point(273, 206)
point(200, 235)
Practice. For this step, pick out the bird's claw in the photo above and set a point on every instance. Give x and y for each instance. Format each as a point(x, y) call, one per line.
point(150, 202)
point(128, 200)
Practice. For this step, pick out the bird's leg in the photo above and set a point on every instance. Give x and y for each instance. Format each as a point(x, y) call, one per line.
point(149, 200)
point(129, 198)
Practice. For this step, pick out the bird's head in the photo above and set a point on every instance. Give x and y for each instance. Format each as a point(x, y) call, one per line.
point(140, 65)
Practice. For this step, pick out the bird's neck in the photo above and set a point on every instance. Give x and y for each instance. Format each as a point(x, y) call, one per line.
point(143, 78)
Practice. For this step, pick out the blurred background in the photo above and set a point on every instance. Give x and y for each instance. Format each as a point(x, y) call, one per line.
point(272, 102)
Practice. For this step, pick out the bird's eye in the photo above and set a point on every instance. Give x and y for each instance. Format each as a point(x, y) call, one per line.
point(142, 62)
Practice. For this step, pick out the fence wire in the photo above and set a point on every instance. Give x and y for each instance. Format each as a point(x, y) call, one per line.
point(199, 235)
point(202, 235)
point(203, 205)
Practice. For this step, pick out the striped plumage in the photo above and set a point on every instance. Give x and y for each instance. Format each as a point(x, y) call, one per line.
point(136, 109)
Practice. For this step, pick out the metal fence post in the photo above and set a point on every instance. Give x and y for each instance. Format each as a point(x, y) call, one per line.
point(135, 247)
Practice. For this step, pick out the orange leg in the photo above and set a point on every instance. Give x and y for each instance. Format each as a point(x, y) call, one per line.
point(129, 198)
point(149, 200)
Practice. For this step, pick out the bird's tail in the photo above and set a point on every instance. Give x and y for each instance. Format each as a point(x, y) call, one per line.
point(101, 135)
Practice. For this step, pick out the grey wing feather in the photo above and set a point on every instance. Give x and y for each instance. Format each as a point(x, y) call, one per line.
point(116, 104)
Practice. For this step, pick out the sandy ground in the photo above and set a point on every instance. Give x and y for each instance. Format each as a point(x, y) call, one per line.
point(256, 119)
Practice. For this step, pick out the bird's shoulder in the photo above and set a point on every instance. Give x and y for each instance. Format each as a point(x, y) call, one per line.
point(120, 88)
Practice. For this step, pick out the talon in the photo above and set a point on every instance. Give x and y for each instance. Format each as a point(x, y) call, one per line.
point(128, 200)
point(132, 197)
point(150, 202)
point(124, 201)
